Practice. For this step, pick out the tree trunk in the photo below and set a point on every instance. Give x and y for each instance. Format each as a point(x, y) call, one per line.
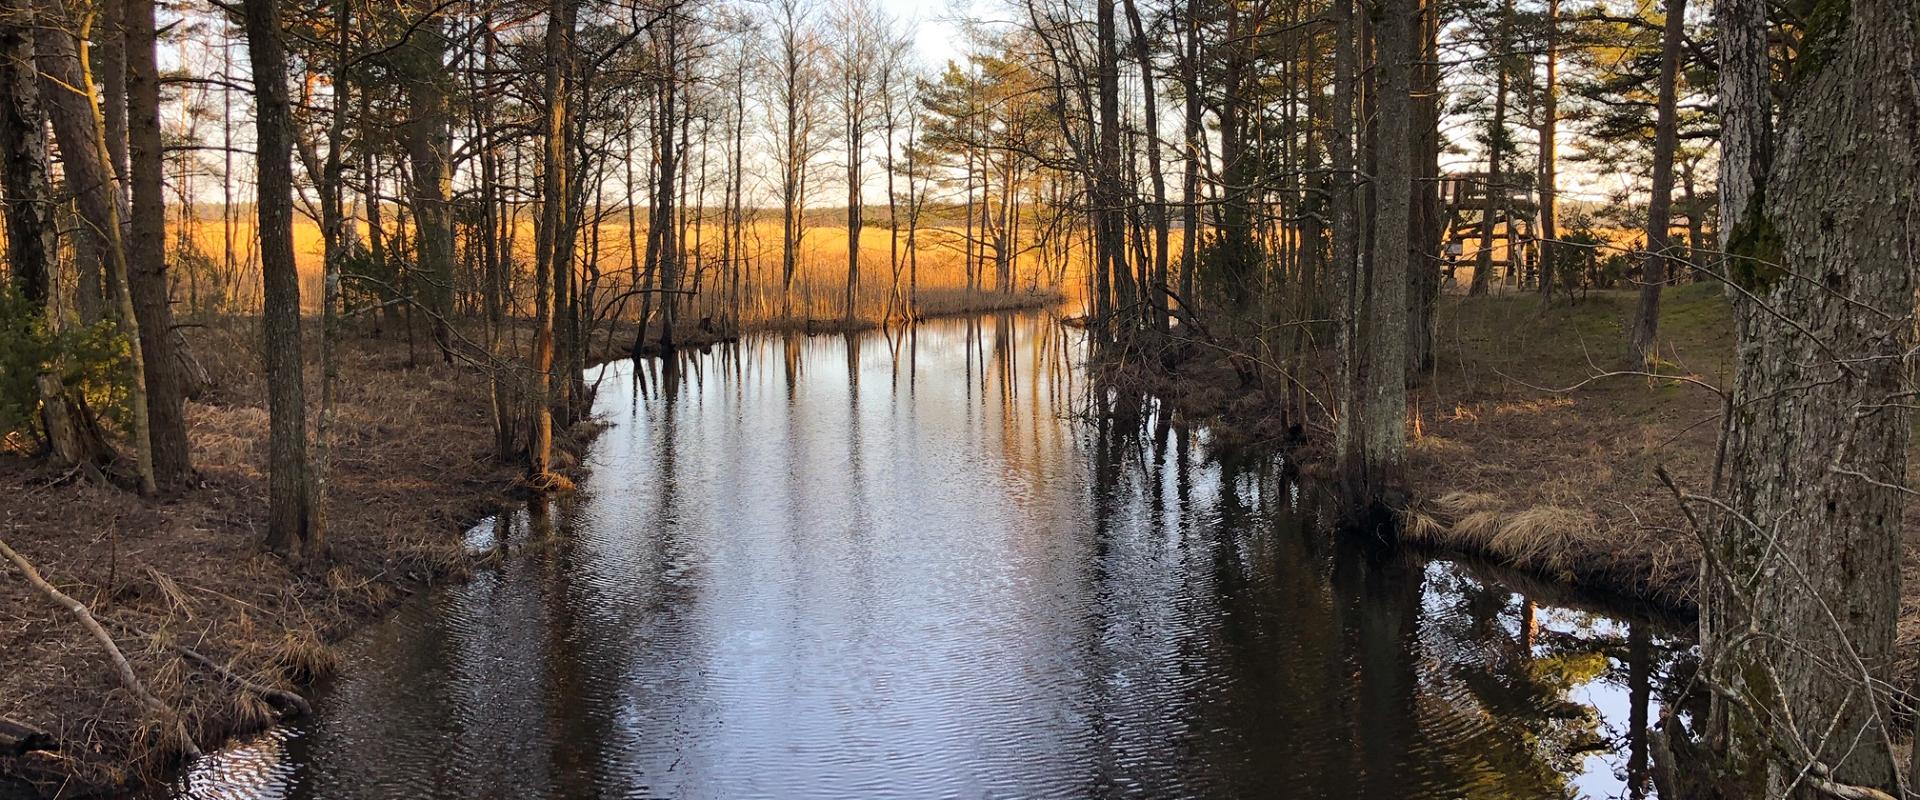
point(146, 254)
point(1549, 155)
point(660, 229)
point(1383, 438)
point(1190, 180)
point(1156, 299)
point(23, 145)
point(74, 437)
point(1348, 279)
point(553, 213)
point(1429, 223)
point(428, 137)
point(1816, 445)
point(287, 487)
point(1646, 319)
point(1495, 207)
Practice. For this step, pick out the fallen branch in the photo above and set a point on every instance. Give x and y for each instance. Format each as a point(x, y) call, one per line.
point(18, 738)
point(127, 678)
point(280, 698)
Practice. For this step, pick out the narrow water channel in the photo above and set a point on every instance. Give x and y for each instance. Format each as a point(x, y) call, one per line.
point(910, 567)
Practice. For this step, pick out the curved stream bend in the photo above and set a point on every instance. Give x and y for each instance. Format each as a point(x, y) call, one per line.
point(903, 568)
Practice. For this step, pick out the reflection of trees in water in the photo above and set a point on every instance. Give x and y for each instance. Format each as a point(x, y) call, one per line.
point(1326, 668)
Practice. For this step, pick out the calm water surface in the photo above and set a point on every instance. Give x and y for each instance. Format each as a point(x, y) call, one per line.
point(914, 567)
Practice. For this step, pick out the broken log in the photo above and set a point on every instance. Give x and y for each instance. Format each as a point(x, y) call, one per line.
point(73, 433)
point(195, 383)
point(19, 738)
point(125, 670)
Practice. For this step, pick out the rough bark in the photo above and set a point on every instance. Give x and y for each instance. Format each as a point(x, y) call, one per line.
point(23, 145)
point(146, 254)
point(1383, 426)
point(74, 438)
point(1816, 444)
point(287, 487)
point(1429, 223)
point(1347, 278)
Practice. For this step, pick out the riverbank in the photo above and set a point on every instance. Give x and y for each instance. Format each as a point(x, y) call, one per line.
point(1525, 453)
point(1519, 452)
point(413, 468)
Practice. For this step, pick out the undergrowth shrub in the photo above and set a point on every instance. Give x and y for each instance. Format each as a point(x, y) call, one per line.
point(91, 360)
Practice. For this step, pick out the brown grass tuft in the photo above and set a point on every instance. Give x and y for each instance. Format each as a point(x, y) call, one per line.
point(303, 658)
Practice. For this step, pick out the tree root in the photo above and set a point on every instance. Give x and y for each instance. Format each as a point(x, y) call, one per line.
point(125, 670)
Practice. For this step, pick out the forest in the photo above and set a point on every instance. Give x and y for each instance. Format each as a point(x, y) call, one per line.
point(700, 381)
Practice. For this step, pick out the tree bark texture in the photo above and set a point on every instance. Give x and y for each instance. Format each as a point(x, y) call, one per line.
point(1820, 254)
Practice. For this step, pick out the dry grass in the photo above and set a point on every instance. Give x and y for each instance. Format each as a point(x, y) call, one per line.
point(412, 469)
point(1566, 478)
point(819, 285)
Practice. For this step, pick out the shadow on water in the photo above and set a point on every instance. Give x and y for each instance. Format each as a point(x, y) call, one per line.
point(911, 564)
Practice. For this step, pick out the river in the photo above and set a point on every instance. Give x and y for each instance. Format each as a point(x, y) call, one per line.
point(914, 566)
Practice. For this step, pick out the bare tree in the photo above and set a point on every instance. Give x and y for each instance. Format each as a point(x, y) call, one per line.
point(794, 101)
point(853, 58)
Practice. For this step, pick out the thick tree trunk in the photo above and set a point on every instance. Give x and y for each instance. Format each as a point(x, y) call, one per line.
point(146, 254)
point(1820, 251)
point(1646, 319)
point(1429, 223)
point(287, 487)
point(1348, 279)
point(1382, 434)
point(80, 122)
point(1110, 248)
point(74, 437)
point(660, 228)
point(23, 145)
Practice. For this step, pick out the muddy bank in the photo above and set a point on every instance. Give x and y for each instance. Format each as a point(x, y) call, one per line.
point(413, 466)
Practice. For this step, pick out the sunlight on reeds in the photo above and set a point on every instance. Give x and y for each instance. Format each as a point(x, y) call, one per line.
point(223, 274)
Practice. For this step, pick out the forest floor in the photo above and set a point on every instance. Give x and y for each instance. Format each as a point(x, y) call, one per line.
point(413, 468)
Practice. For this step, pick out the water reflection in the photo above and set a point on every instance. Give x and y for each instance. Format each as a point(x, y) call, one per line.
point(918, 565)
